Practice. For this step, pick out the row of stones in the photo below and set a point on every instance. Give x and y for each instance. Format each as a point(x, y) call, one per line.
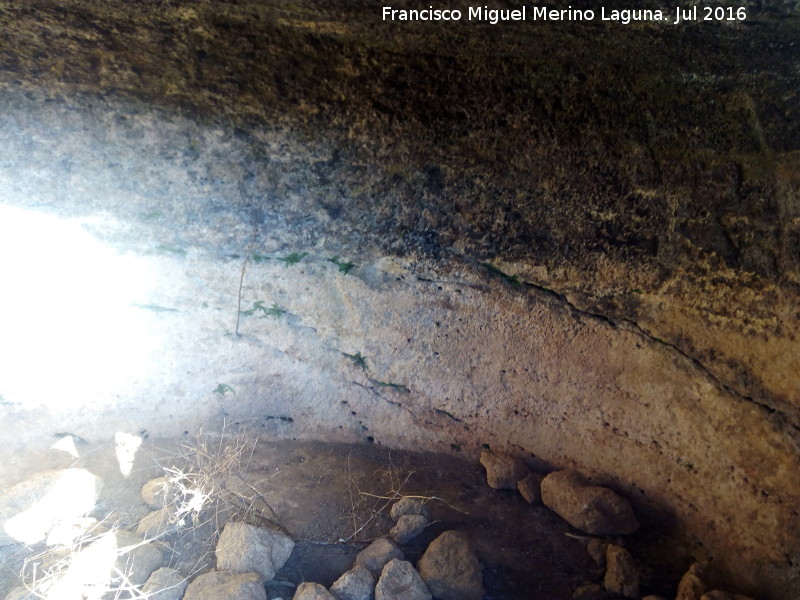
point(598, 511)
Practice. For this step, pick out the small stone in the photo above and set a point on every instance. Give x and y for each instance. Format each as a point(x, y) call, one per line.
point(312, 591)
point(503, 472)
point(375, 556)
point(243, 548)
point(721, 595)
point(530, 487)
point(450, 568)
point(597, 550)
point(622, 576)
point(409, 506)
point(692, 586)
point(593, 509)
point(356, 584)
point(400, 581)
point(159, 492)
point(593, 591)
point(224, 585)
point(155, 524)
point(165, 584)
point(408, 527)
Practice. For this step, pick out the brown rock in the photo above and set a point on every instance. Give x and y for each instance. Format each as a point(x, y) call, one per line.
point(530, 487)
point(692, 586)
point(593, 509)
point(503, 472)
point(622, 576)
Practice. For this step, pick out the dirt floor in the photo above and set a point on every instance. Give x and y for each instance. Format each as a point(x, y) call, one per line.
point(332, 499)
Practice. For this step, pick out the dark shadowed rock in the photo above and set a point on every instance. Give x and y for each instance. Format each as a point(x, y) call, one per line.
point(622, 575)
point(409, 506)
point(530, 487)
point(722, 595)
point(408, 527)
point(375, 556)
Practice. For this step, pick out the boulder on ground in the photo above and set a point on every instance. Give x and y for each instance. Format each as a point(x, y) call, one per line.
point(409, 506)
point(400, 581)
point(408, 527)
point(356, 584)
point(590, 508)
point(622, 575)
point(29, 509)
point(312, 591)
point(225, 585)
point(503, 472)
point(243, 548)
point(530, 487)
point(375, 556)
point(165, 584)
point(450, 568)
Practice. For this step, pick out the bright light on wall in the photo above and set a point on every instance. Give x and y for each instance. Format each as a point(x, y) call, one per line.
point(70, 328)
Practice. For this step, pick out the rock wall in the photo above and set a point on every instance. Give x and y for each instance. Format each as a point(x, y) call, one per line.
point(574, 241)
